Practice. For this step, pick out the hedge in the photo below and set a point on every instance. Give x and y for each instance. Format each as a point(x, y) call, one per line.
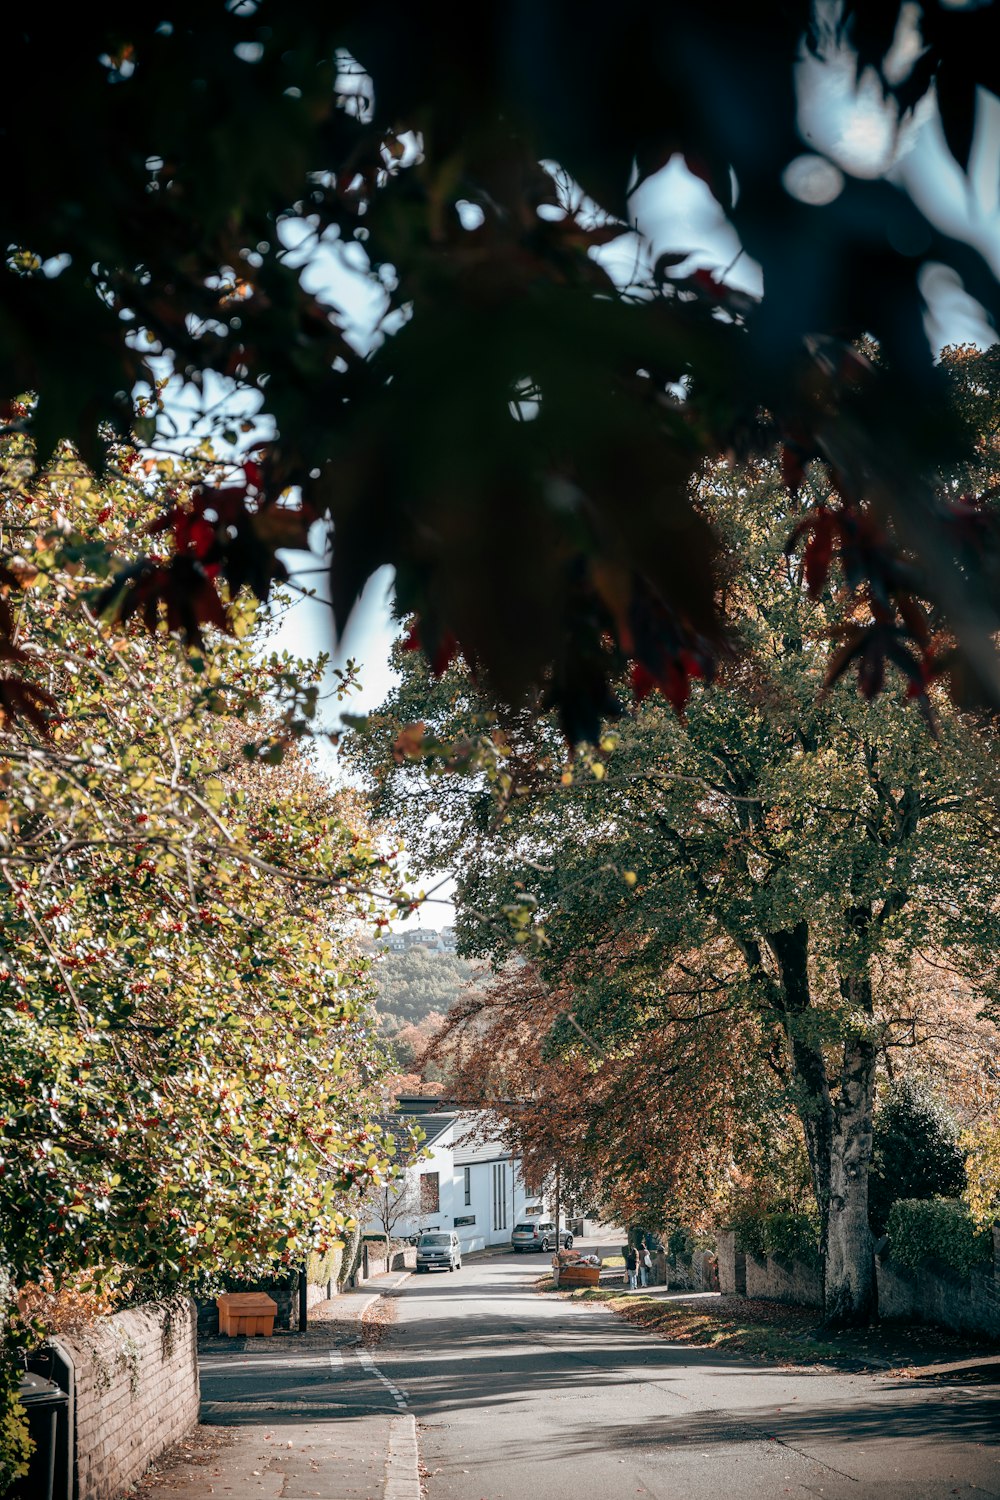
point(789, 1236)
point(321, 1268)
point(939, 1229)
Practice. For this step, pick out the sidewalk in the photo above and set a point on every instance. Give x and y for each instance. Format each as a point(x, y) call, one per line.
point(298, 1416)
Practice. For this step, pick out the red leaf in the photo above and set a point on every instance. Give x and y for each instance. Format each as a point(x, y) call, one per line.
point(792, 471)
point(642, 682)
point(819, 552)
point(23, 700)
point(443, 654)
point(409, 742)
point(675, 684)
point(192, 533)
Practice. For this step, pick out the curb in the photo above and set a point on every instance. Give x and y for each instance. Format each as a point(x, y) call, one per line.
point(402, 1459)
point(402, 1471)
point(984, 1365)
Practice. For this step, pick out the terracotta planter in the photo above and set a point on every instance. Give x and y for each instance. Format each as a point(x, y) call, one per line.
point(246, 1314)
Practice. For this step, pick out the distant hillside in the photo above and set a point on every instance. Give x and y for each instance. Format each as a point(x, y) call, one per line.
point(413, 984)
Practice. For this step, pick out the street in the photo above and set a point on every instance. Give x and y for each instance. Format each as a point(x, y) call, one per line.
point(517, 1394)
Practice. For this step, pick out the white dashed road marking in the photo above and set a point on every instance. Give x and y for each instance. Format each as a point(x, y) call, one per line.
point(398, 1395)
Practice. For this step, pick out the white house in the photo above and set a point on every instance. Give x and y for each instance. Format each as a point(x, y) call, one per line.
point(467, 1179)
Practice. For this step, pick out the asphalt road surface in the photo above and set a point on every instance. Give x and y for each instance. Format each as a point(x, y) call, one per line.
point(524, 1397)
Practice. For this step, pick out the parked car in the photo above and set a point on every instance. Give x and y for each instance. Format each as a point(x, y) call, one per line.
point(532, 1235)
point(439, 1250)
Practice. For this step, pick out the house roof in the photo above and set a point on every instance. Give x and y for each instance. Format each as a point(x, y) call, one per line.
point(415, 1109)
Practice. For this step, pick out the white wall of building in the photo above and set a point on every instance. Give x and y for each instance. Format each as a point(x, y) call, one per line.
point(481, 1193)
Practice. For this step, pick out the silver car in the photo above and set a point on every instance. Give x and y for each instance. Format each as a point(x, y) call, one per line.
point(439, 1250)
point(534, 1236)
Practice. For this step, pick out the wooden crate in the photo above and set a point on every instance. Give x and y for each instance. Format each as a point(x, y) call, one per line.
point(246, 1314)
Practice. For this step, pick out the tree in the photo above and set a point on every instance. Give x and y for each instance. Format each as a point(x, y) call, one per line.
point(415, 983)
point(391, 1205)
point(472, 172)
point(779, 859)
point(982, 1191)
point(652, 1128)
point(190, 1080)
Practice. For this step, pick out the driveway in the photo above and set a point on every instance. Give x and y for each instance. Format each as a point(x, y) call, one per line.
point(520, 1395)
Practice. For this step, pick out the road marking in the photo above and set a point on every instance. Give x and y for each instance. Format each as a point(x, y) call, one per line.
point(228, 1370)
point(398, 1395)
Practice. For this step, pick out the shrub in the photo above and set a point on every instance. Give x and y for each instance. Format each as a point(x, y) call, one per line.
point(69, 1305)
point(915, 1151)
point(939, 1229)
point(982, 1171)
point(788, 1234)
point(321, 1268)
point(15, 1442)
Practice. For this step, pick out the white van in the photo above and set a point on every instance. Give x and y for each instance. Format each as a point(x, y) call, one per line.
point(439, 1250)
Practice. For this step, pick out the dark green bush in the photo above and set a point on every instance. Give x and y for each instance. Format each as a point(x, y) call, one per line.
point(788, 1235)
point(915, 1151)
point(941, 1229)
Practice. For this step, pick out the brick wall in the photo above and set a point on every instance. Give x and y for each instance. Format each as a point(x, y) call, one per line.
point(135, 1378)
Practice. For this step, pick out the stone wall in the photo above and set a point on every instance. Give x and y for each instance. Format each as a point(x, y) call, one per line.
point(705, 1268)
point(135, 1384)
point(933, 1294)
point(378, 1265)
point(936, 1295)
point(732, 1264)
point(784, 1281)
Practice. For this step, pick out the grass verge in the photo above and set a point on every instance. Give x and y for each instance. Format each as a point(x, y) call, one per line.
point(774, 1331)
point(739, 1326)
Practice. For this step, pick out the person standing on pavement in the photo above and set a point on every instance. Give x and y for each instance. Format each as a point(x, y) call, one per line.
point(645, 1264)
point(632, 1266)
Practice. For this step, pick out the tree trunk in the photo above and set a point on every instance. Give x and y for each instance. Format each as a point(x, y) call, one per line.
point(838, 1132)
point(812, 1089)
point(850, 1297)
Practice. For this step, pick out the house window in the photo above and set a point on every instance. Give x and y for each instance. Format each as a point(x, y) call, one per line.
point(430, 1193)
point(468, 1186)
point(500, 1195)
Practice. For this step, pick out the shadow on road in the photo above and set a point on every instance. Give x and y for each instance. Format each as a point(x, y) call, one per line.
point(920, 1418)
